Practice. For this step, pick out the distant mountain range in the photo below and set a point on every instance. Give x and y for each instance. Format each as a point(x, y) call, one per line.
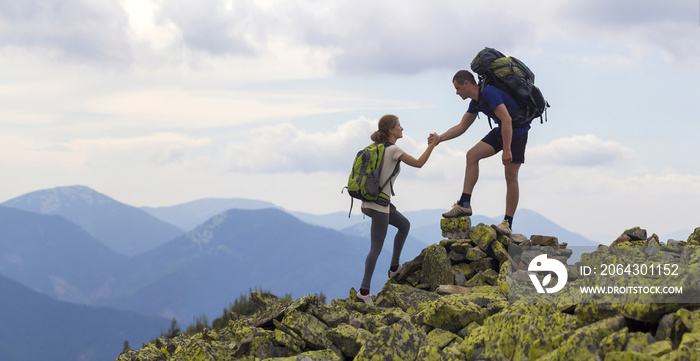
point(35, 327)
point(55, 257)
point(75, 244)
point(189, 215)
point(123, 228)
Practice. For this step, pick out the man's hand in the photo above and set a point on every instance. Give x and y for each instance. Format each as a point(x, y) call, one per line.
point(434, 138)
point(507, 157)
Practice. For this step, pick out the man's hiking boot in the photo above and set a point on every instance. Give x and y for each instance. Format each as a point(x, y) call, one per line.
point(503, 228)
point(393, 274)
point(367, 299)
point(458, 211)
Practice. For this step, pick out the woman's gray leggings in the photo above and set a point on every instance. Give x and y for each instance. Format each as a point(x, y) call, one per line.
point(380, 225)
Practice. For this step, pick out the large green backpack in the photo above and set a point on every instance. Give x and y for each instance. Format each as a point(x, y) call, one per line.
point(363, 183)
point(515, 78)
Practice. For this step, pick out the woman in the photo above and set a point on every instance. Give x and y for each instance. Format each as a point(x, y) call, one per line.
point(389, 132)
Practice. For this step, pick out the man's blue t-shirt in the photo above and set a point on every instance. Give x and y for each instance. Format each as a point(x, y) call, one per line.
point(494, 97)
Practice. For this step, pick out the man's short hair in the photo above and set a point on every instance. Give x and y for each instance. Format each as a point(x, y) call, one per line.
point(463, 75)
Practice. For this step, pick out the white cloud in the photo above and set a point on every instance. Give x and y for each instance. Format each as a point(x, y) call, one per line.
point(297, 38)
point(132, 153)
point(83, 31)
point(284, 148)
point(635, 28)
point(581, 151)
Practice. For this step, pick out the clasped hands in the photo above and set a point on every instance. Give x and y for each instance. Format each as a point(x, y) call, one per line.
point(433, 139)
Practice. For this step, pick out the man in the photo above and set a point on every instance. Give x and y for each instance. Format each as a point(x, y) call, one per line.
point(496, 104)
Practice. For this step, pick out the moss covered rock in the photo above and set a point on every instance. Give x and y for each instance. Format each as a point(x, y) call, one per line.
point(437, 268)
point(400, 342)
point(483, 235)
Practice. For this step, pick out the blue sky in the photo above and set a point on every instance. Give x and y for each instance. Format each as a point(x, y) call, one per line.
point(158, 102)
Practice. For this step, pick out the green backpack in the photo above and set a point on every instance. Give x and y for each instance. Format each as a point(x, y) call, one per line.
point(363, 182)
point(515, 78)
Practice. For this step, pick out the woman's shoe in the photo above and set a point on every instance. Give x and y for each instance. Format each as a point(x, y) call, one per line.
point(367, 299)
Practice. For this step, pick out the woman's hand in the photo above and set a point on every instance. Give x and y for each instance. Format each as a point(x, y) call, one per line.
point(433, 139)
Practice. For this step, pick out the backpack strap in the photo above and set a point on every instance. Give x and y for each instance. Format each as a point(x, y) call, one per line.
point(388, 181)
point(482, 85)
point(393, 173)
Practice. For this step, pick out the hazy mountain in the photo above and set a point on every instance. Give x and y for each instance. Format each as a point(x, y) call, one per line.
point(55, 257)
point(123, 228)
point(189, 215)
point(234, 251)
point(37, 327)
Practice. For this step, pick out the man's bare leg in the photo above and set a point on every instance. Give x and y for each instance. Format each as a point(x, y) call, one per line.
point(512, 188)
point(471, 174)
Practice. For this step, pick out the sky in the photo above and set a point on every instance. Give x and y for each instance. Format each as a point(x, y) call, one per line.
point(161, 102)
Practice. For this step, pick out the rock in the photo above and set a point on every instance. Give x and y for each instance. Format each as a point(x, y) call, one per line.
point(694, 239)
point(544, 241)
point(400, 341)
point(456, 257)
point(319, 355)
point(437, 268)
point(657, 349)
point(308, 327)
point(451, 313)
point(461, 247)
point(482, 235)
point(452, 289)
point(348, 339)
point(409, 299)
point(440, 338)
point(636, 234)
point(455, 228)
point(475, 254)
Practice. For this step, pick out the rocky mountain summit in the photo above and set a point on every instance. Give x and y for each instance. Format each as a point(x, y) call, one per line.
point(456, 301)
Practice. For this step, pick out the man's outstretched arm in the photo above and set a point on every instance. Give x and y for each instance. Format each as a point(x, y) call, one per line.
point(459, 129)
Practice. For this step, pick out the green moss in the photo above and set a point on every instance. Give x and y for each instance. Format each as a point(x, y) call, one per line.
point(583, 344)
point(513, 330)
point(658, 349)
point(318, 355)
point(627, 356)
point(309, 328)
point(694, 238)
point(400, 341)
point(440, 338)
point(348, 339)
point(615, 341)
point(437, 268)
point(638, 341)
point(460, 224)
point(483, 235)
point(451, 313)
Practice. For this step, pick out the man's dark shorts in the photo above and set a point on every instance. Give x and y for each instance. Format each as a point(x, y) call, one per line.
point(517, 144)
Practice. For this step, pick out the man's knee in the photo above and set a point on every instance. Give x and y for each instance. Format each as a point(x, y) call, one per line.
point(512, 175)
point(473, 156)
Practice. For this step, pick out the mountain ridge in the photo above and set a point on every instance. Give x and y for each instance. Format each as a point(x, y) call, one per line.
point(123, 228)
point(50, 255)
point(30, 321)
